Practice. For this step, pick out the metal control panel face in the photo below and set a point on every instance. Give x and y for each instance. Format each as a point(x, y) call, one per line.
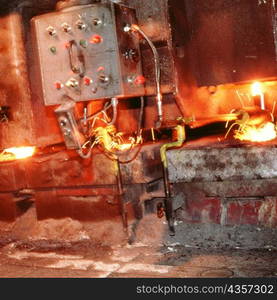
point(84, 54)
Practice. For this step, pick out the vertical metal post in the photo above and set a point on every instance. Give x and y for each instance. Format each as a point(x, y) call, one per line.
point(120, 199)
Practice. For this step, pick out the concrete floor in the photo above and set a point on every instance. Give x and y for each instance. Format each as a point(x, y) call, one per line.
point(84, 259)
point(67, 248)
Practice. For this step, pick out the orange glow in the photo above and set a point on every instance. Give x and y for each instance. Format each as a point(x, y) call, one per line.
point(123, 147)
point(256, 89)
point(20, 152)
point(262, 134)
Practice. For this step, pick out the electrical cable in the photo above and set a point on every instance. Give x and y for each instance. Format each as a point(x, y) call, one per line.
point(116, 158)
point(135, 27)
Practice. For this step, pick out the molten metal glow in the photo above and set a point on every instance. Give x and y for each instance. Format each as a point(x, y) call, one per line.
point(256, 89)
point(262, 134)
point(123, 147)
point(21, 152)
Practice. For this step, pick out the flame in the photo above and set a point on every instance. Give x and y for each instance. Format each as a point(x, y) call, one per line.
point(17, 153)
point(267, 132)
point(256, 89)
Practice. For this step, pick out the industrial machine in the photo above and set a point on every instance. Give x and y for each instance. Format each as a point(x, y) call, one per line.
point(104, 90)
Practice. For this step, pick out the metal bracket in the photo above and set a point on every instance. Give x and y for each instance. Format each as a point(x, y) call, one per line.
point(72, 136)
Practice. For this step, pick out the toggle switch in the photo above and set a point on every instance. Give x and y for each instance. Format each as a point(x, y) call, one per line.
point(96, 22)
point(51, 31)
point(104, 79)
point(66, 28)
point(72, 83)
point(81, 25)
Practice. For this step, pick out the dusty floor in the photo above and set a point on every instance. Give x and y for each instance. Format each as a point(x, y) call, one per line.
point(84, 259)
point(68, 248)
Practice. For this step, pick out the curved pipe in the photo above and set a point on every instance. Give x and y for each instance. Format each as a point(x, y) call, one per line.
point(181, 137)
point(159, 96)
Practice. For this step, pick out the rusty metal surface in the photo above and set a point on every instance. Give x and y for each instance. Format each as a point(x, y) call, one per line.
point(153, 18)
point(146, 168)
point(222, 164)
point(229, 189)
point(168, 76)
point(14, 84)
point(49, 204)
point(157, 19)
point(238, 46)
point(7, 207)
point(67, 169)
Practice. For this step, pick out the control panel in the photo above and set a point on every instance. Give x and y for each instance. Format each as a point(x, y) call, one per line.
point(84, 53)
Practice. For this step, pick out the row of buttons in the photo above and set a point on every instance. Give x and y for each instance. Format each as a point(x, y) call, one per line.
point(80, 24)
point(95, 39)
point(103, 79)
point(74, 83)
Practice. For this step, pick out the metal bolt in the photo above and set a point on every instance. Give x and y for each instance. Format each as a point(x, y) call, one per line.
point(67, 132)
point(94, 90)
point(63, 122)
point(127, 28)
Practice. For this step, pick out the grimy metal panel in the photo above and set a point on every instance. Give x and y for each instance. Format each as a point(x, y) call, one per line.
point(85, 56)
point(231, 40)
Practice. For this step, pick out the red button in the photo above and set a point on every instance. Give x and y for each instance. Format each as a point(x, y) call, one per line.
point(58, 85)
point(96, 39)
point(87, 81)
point(140, 80)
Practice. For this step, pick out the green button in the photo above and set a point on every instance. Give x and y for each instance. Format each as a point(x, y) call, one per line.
point(53, 50)
point(84, 43)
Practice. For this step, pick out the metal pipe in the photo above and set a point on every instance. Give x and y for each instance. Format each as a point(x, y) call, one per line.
point(136, 28)
point(215, 119)
point(120, 199)
point(181, 137)
point(114, 103)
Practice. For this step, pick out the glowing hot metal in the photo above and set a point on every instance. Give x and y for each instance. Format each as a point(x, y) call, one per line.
point(17, 153)
point(266, 132)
